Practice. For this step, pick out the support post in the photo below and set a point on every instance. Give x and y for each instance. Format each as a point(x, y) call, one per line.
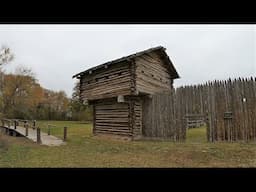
point(38, 135)
point(65, 134)
point(34, 124)
point(26, 130)
point(49, 131)
point(94, 120)
point(15, 124)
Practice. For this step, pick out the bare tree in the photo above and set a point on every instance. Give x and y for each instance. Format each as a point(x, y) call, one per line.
point(5, 55)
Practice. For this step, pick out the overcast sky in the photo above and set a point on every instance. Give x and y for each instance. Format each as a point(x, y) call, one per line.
point(199, 52)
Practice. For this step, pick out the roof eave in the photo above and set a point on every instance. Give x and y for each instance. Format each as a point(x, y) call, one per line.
point(125, 58)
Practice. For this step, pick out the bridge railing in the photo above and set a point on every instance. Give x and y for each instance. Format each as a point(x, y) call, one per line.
point(7, 122)
point(31, 124)
point(50, 126)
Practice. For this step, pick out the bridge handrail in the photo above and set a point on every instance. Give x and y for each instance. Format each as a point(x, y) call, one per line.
point(6, 120)
point(27, 125)
point(26, 122)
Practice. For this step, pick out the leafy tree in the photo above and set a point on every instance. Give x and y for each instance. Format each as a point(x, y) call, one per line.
point(21, 96)
point(53, 106)
point(79, 110)
point(24, 98)
point(5, 57)
point(22, 93)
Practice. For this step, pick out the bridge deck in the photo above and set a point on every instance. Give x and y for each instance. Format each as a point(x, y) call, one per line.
point(46, 139)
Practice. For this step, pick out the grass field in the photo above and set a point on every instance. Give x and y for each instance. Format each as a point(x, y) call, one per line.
point(84, 150)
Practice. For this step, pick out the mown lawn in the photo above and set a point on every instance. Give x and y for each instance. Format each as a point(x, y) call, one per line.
point(84, 150)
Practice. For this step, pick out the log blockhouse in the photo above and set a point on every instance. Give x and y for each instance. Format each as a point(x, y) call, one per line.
point(118, 90)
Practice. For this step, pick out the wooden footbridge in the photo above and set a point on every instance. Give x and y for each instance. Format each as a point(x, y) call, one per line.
point(28, 129)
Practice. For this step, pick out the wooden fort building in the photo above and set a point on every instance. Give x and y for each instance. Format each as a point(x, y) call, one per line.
point(119, 90)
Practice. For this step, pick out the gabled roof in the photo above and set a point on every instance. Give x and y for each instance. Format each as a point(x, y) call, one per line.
point(159, 48)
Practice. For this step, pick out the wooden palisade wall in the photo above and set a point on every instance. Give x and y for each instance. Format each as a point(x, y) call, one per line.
point(163, 116)
point(232, 110)
point(229, 107)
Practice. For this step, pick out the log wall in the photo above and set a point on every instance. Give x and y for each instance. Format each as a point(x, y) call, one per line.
point(106, 82)
point(152, 74)
point(136, 116)
point(145, 74)
point(115, 118)
point(112, 118)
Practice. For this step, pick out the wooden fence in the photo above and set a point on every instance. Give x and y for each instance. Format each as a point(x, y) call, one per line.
point(232, 110)
point(163, 117)
point(229, 107)
point(194, 120)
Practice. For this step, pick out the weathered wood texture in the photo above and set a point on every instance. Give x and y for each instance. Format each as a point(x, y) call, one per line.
point(232, 110)
point(156, 116)
point(29, 132)
point(163, 117)
point(135, 106)
point(148, 73)
point(115, 118)
point(229, 107)
point(195, 120)
point(106, 82)
point(112, 117)
point(152, 74)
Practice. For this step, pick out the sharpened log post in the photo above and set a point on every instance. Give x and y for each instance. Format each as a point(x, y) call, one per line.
point(49, 131)
point(26, 130)
point(38, 135)
point(65, 134)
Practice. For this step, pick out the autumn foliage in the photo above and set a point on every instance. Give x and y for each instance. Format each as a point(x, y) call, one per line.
point(22, 97)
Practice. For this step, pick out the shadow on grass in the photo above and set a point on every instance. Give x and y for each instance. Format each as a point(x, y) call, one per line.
point(4, 144)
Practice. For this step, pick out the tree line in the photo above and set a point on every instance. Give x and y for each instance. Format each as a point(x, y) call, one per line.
point(22, 96)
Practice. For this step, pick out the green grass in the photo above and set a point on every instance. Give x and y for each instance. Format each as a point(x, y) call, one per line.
point(196, 135)
point(85, 150)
